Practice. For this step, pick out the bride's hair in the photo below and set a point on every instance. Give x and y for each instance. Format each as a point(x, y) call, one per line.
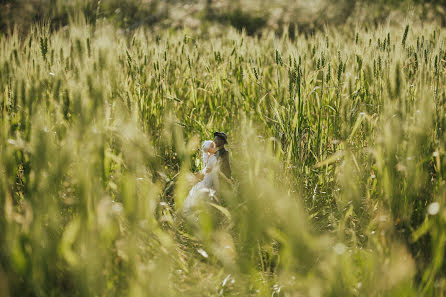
point(204, 151)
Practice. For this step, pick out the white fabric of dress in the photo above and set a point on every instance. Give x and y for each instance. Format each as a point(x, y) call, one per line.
point(203, 190)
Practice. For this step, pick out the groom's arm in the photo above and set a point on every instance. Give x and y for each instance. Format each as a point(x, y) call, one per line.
point(225, 166)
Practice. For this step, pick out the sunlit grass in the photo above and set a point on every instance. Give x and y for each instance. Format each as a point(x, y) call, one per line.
point(337, 147)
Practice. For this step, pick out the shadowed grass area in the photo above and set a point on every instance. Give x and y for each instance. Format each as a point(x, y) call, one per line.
point(337, 147)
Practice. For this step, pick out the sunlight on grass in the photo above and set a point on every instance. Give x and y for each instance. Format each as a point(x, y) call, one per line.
point(337, 147)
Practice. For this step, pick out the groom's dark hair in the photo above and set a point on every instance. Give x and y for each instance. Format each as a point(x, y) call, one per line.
point(222, 136)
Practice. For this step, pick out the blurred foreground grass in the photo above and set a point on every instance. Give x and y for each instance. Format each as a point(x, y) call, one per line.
point(338, 152)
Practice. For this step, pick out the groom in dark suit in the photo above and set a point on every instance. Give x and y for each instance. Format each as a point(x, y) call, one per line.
point(220, 139)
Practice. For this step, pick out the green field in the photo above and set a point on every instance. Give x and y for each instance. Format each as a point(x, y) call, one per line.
point(337, 142)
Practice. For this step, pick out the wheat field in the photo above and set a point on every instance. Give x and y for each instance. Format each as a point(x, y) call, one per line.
point(337, 146)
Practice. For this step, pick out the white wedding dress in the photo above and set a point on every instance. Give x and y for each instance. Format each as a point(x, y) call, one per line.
point(203, 190)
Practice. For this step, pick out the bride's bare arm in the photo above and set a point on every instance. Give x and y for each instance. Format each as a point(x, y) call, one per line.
point(199, 175)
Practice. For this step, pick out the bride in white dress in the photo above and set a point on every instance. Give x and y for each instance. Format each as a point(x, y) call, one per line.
point(203, 190)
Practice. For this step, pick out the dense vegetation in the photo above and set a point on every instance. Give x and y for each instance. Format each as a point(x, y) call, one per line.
point(337, 146)
point(251, 15)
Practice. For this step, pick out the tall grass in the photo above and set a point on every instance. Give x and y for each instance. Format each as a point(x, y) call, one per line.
point(337, 148)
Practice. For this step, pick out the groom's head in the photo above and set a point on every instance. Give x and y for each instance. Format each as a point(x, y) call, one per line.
point(220, 139)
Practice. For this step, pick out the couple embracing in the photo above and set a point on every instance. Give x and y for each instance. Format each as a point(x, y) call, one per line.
point(216, 168)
